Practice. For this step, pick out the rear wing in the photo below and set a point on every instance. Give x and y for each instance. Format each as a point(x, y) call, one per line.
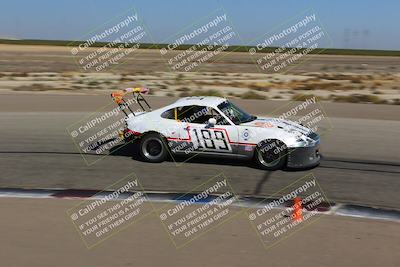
point(118, 97)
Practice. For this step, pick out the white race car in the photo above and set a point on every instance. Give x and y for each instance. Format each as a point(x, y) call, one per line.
point(214, 126)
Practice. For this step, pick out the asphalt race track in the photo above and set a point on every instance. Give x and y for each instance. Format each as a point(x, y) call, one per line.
point(361, 161)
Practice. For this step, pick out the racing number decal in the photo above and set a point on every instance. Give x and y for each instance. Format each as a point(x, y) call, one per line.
point(219, 135)
point(211, 140)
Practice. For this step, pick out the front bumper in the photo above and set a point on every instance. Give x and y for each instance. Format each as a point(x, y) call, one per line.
point(303, 157)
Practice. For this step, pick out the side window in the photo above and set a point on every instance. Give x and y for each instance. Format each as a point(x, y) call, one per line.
point(169, 114)
point(200, 114)
point(220, 119)
point(194, 114)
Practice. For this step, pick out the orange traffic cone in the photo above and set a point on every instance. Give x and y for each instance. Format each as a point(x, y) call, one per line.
point(297, 211)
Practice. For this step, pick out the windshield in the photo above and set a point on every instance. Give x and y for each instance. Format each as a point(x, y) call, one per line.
point(235, 114)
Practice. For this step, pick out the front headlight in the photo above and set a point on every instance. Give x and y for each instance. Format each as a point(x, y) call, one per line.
point(310, 141)
point(298, 136)
point(300, 140)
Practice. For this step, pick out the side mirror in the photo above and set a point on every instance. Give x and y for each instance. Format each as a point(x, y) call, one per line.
point(211, 122)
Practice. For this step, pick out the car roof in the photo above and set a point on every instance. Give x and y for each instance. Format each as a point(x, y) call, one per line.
point(211, 101)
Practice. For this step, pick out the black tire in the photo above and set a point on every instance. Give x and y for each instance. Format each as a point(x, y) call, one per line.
point(271, 155)
point(152, 148)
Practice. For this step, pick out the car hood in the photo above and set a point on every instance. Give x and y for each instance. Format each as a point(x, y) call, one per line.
point(286, 125)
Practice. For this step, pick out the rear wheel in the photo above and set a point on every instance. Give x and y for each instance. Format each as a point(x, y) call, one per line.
point(271, 155)
point(152, 148)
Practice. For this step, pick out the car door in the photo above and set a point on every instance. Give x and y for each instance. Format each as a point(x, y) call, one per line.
point(204, 138)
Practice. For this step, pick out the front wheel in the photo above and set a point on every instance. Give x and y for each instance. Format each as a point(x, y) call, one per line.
point(271, 155)
point(152, 148)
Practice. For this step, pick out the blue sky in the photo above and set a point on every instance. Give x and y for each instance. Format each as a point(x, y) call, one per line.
point(364, 24)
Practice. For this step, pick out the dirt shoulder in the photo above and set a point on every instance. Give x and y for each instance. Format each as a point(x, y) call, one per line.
point(37, 232)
